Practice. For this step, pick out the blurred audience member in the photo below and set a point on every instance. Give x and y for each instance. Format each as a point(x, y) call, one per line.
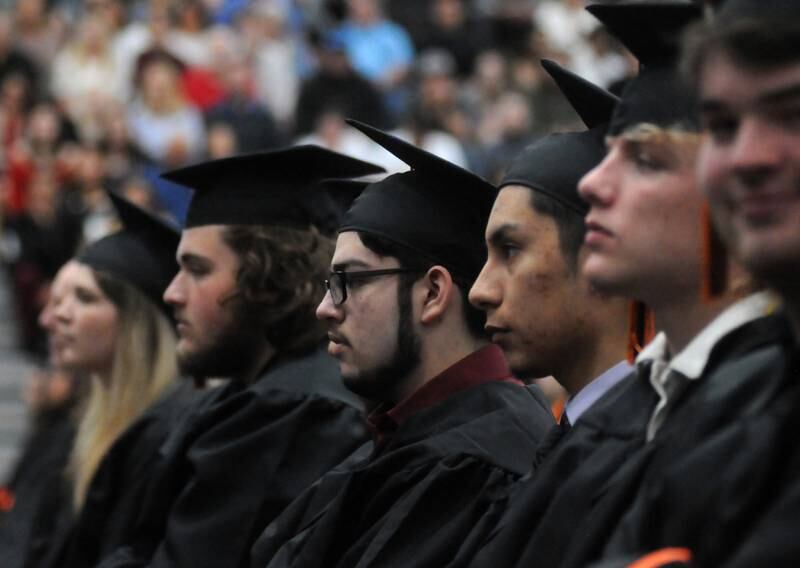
point(452, 28)
point(222, 142)
point(251, 121)
point(36, 242)
point(565, 24)
point(337, 85)
point(509, 132)
point(379, 49)
point(13, 61)
point(437, 94)
point(332, 132)
point(154, 32)
point(38, 32)
point(123, 158)
point(85, 78)
point(188, 40)
point(275, 53)
point(87, 195)
point(167, 128)
point(44, 146)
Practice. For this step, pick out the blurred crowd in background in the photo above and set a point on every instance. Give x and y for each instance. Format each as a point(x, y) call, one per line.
point(106, 94)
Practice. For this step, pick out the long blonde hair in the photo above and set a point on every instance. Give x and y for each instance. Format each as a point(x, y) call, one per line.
point(143, 366)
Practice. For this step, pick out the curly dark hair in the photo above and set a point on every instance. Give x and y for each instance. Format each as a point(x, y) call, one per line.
point(280, 281)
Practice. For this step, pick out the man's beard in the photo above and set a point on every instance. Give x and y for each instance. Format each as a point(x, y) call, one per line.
point(233, 353)
point(375, 384)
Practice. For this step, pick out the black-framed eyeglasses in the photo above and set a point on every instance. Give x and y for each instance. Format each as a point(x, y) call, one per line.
point(337, 281)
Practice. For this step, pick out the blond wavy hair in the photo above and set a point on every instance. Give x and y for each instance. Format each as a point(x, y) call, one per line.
point(143, 367)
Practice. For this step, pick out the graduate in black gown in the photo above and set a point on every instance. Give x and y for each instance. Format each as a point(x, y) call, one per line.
point(106, 321)
point(735, 501)
point(589, 499)
point(145, 255)
point(453, 427)
point(542, 311)
point(252, 261)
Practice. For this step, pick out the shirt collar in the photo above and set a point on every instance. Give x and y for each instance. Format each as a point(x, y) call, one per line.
point(486, 365)
point(581, 401)
point(692, 361)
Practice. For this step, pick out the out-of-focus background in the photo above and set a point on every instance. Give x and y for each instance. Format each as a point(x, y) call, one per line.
point(106, 94)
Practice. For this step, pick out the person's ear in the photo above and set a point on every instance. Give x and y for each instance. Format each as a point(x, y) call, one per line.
point(438, 290)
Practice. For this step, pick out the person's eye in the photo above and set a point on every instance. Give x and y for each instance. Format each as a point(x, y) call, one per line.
point(85, 296)
point(721, 129)
point(647, 160)
point(354, 283)
point(197, 269)
point(510, 250)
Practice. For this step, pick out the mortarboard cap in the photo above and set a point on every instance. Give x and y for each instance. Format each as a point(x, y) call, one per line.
point(652, 32)
point(142, 253)
point(555, 164)
point(280, 187)
point(342, 193)
point(436, 209)
point(593, 104)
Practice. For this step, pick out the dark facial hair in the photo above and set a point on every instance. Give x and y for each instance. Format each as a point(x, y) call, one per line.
point(379, 383)
point(234, 352)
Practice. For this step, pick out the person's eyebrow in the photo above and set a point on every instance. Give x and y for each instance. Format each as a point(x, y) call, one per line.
point(501, 233)
point(189, 257)
point(348, 263)
point(773, 97)
point(780, 95)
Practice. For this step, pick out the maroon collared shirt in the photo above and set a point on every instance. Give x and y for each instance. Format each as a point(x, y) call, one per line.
point(485, 365)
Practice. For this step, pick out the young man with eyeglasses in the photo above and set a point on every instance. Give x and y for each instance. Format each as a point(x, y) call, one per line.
point(452, 427)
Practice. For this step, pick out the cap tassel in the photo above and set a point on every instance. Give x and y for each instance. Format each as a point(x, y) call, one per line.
point(715, 259)
point(641, 328)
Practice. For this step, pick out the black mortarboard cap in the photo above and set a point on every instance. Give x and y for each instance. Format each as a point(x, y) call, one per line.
point(141, 254)
point(342, 193)
point(279, 187)
point(554, 165)
point(436, 209)
point(593, 104)
point(652, 32)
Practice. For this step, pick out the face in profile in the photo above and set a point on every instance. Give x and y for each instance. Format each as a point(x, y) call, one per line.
point(371, 333)
point(533, 299)
point(750, 163)
point(643, 229)
point(215, 338)
point(81, 321)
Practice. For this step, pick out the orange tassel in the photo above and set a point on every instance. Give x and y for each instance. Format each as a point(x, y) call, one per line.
point(715, 259)
point(641, 328)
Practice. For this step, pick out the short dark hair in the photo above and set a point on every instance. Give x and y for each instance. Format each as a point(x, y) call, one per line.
point(570, 225)
point(407, 258)
point(753, 43)
point(280, 281)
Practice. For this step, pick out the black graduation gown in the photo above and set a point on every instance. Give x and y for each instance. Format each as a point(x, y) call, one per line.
point(596, 516)
point(238, 460)
point(115, 495)
point(38, 484)
point(543, 509)
point(699, 461)
point(411, 502)
point(734, 499)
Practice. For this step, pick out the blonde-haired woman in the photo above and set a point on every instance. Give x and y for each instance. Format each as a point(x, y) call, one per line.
point(106, 321)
